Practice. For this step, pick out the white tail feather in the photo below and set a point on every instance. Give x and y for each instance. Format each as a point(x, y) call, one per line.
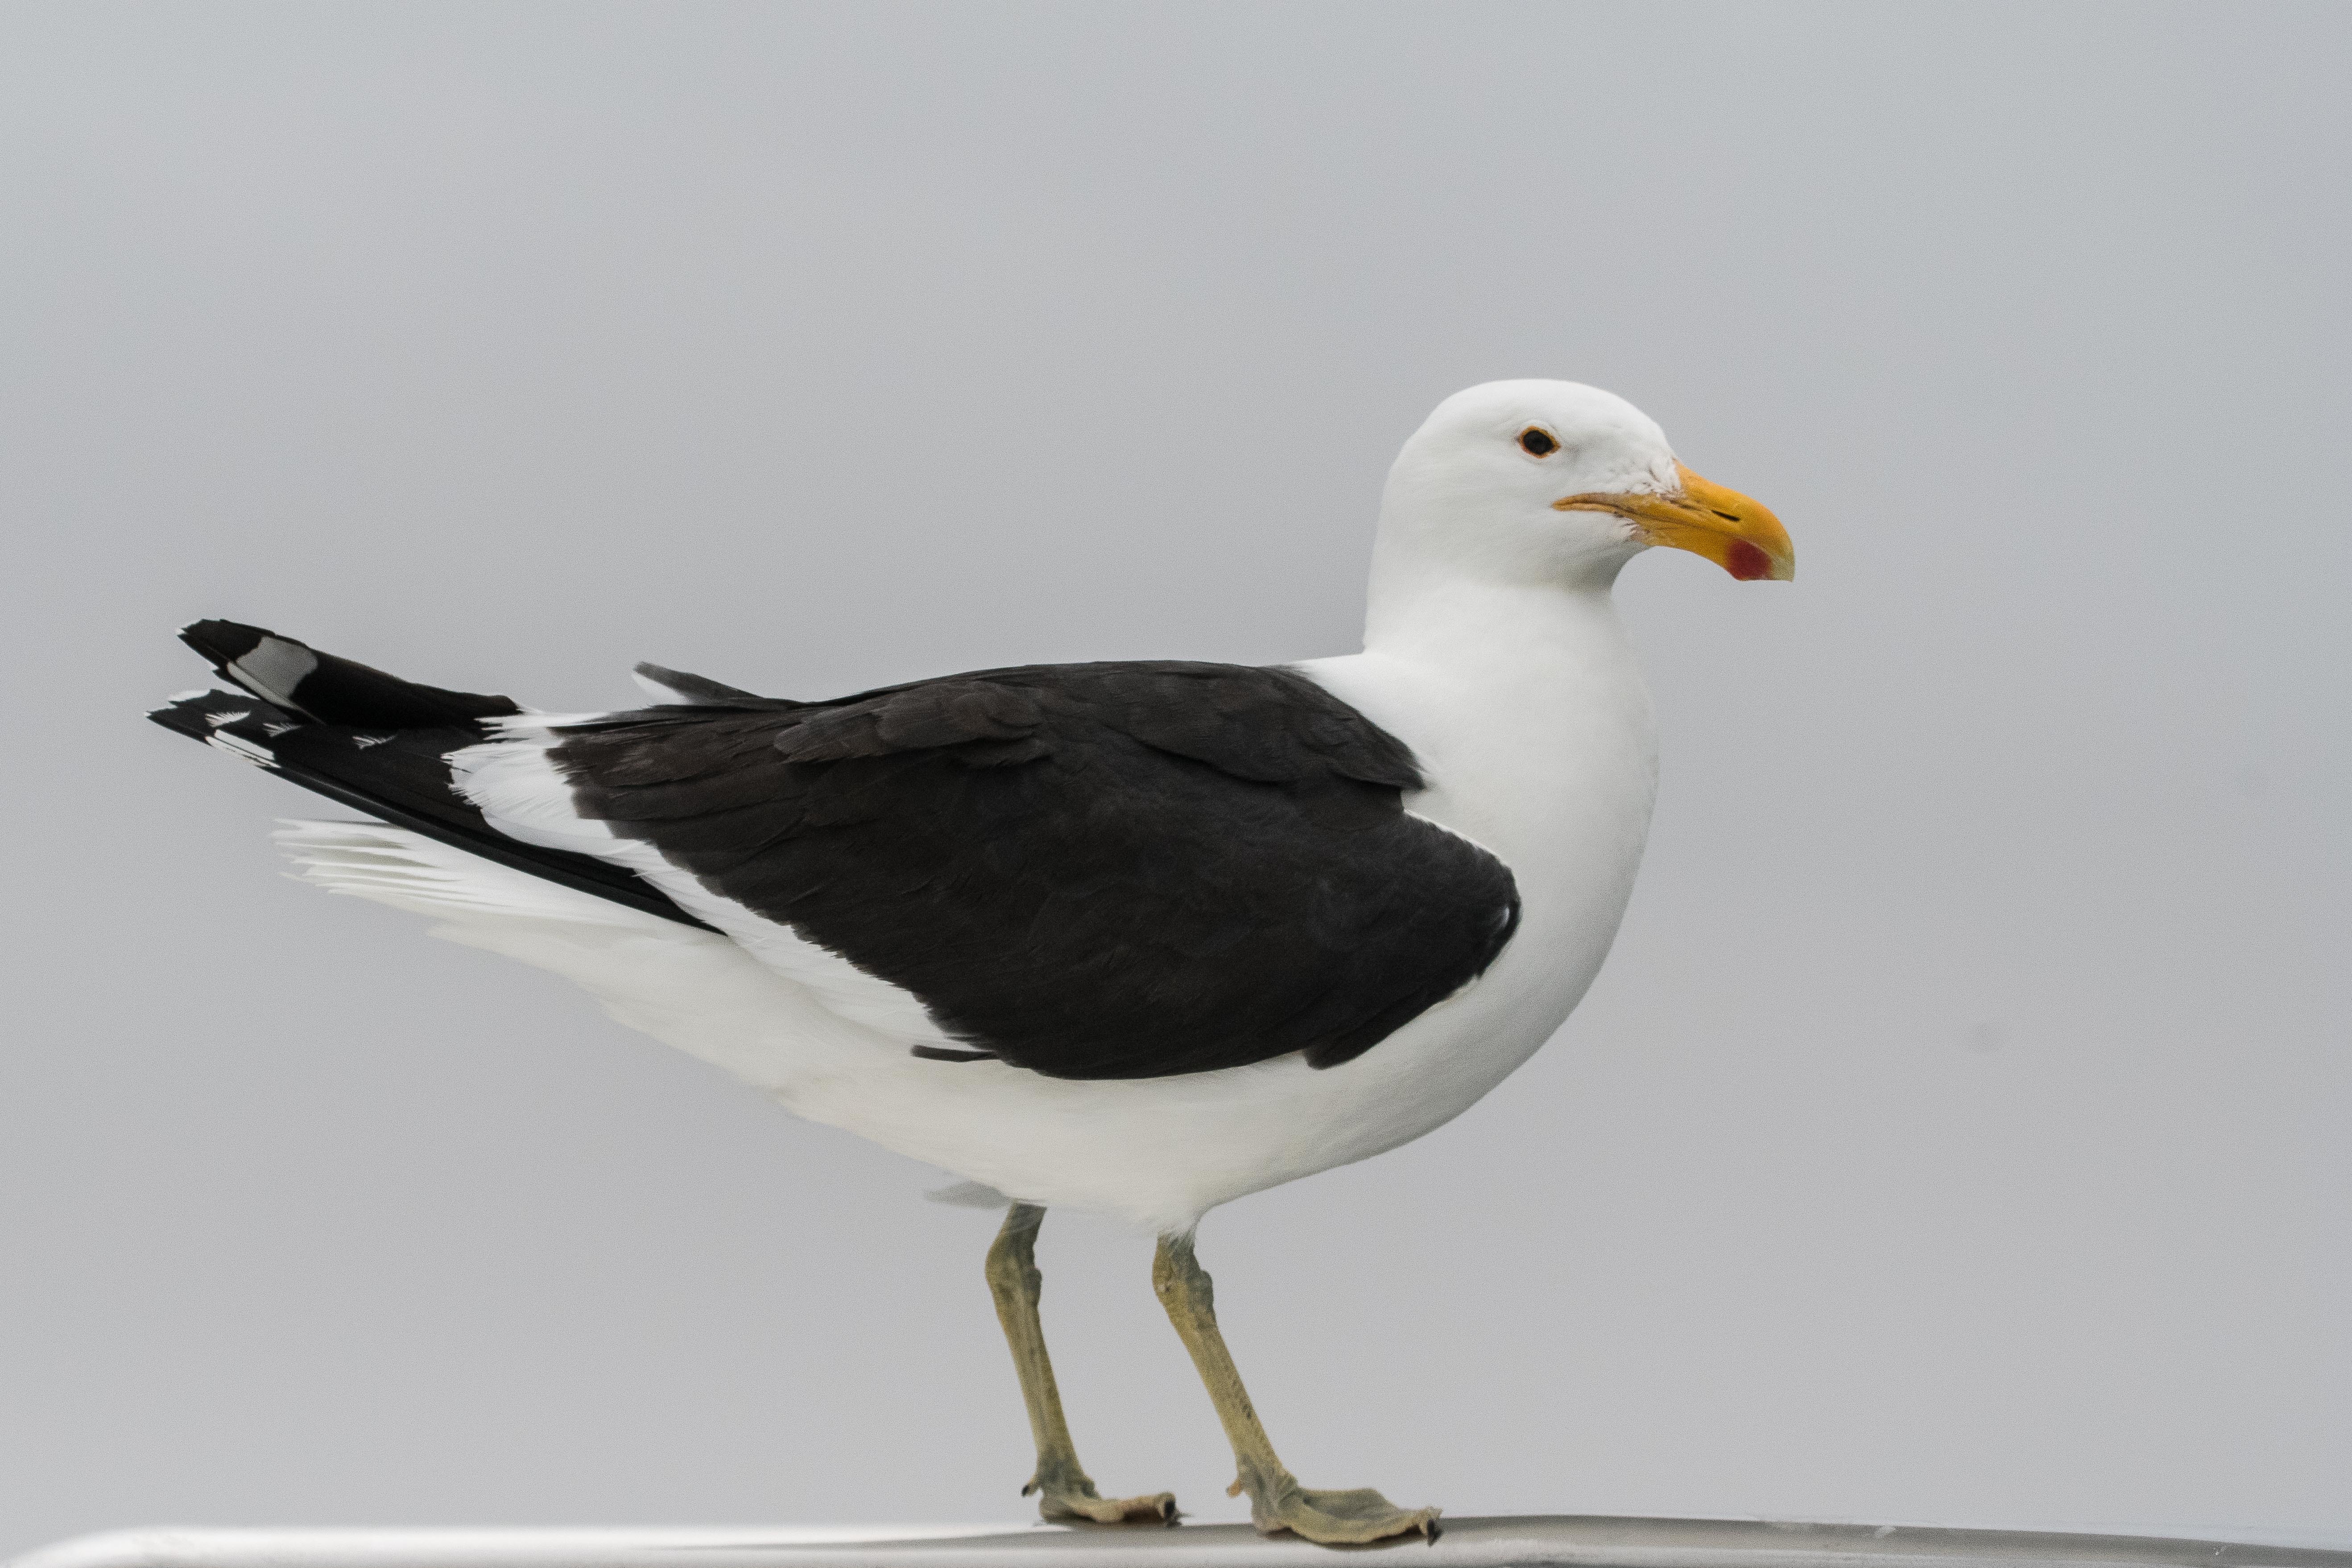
point(693, 989)
point(409, 871)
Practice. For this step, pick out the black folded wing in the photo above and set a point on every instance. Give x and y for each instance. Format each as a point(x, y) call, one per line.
point(1096, 870)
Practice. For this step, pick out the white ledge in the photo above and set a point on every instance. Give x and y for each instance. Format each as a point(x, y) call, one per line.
point(1529, 1542)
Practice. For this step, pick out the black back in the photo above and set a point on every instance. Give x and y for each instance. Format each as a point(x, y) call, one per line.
point(1094, 870)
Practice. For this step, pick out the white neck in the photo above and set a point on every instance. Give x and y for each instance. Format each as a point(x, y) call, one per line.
point(1480, 620)
point(1522, 699)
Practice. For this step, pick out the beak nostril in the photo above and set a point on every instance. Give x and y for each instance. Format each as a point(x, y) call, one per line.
point(1727, 516)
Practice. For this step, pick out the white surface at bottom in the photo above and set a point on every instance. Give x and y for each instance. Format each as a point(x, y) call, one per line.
point(1530, 1541)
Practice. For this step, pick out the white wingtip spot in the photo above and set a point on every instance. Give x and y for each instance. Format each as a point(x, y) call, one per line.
point(272, 668)
point(237, 746)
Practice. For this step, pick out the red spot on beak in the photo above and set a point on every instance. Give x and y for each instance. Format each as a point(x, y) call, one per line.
point(1746, 562)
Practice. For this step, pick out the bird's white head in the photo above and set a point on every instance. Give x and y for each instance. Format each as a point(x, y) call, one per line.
point(1531, 483)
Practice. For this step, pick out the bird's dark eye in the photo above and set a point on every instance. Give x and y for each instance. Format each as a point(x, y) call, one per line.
point(1537, 442)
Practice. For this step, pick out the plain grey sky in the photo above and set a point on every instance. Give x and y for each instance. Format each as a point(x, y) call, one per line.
point(1959, 1132)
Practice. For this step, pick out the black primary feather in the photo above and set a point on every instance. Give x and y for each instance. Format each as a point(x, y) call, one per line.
point(375, 742)
point(328, 689)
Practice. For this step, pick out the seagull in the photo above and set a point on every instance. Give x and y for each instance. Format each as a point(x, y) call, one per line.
point(1137, 938)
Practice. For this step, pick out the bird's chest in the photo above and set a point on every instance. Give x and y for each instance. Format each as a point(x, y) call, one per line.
point(1561, 791)
point(1551, 763)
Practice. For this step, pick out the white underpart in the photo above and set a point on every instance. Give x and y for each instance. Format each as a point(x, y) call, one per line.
point(692, 989)
point(1491, 649)
point(521, 792)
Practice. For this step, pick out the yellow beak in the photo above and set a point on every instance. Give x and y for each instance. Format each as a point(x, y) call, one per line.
point(1738, 534)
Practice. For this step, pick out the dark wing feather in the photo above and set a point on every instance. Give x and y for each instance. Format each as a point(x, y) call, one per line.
point(1105, 870)
point(375, 742)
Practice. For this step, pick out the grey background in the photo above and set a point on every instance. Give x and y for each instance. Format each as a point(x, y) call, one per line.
point(1959, 1132)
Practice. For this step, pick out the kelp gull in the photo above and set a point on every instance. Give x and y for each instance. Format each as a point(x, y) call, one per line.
point(1139, 938)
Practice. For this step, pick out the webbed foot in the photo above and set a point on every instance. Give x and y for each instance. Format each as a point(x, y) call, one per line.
point(1069, 1497)
point(1351, 1517)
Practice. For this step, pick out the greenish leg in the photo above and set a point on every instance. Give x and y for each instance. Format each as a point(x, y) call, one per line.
point(1277, 1500)
point(1064, 1493)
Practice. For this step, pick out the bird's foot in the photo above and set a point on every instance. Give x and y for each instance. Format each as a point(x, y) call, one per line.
point(1068, 1496)
point(1327, 1518)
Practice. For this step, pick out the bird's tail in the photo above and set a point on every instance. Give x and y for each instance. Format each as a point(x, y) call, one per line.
point(375, 742)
